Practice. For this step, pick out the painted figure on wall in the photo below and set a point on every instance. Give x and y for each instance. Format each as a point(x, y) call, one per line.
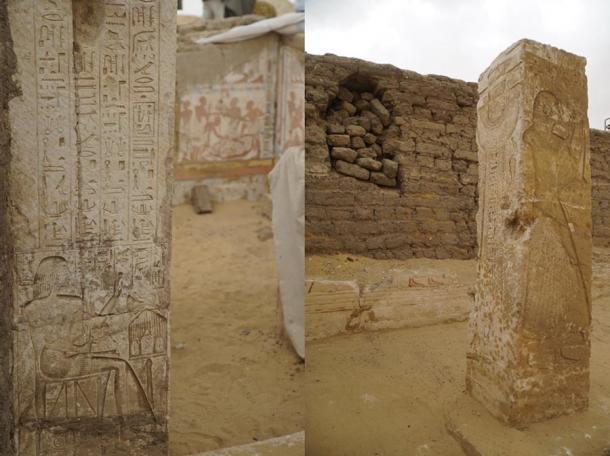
point(230, 119)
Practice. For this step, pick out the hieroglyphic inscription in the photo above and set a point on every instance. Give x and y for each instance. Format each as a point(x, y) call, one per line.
point(528, 358)
point(144, 74)
point(91, 232)
point(53, 51)
point(114, 74)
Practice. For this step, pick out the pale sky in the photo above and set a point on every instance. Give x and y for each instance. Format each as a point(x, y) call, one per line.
point(192, 7)
point(460, 38)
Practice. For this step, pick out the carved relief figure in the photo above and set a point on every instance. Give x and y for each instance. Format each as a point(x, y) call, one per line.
point(558, 297)
point(77, 368)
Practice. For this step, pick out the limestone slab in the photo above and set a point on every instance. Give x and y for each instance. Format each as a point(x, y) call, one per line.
point(329, 306)
point(413, 300)
point(528, 358)
point(201, 200)
point(87, 226)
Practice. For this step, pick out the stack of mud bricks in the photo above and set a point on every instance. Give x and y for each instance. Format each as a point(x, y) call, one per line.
point(600, 191)
point(422, 126)
point(86, 134)
point(354, 136)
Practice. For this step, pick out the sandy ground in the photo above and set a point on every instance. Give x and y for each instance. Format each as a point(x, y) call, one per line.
point(386, 393)
point(233, 380)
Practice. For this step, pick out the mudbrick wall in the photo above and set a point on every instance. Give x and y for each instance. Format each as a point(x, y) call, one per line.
point(391, 162)
point(600, 176)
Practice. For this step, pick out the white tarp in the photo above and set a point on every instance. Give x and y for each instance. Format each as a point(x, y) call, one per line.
point(287, 182)
point(286, 24)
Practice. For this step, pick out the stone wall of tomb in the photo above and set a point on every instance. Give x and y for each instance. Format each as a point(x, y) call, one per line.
point(239, 105)
point(428, 134)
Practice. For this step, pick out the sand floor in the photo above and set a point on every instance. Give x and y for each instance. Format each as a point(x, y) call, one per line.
point(386, 393)
point(233, 380)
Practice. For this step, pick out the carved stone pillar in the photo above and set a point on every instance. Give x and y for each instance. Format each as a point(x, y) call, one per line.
point(529, 351)
point(87, 93)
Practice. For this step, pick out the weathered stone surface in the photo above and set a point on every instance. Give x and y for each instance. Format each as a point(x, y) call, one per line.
point(344, 153)
point(335, 129)
point(338, 140)
point(361, 104)
point(382, 179)
point(350, 169)
point(349, 108)
point(201, 199)
point(329, 305)
point(412, 299)
point(530, 328)
point(345, 95)
point(357, 142)
point(370, 164)
point(88, 228)
point(378, 108)
point(367, 152)
point(355, 130)
point(390, 168)
point(369, 138)
point(358, 120)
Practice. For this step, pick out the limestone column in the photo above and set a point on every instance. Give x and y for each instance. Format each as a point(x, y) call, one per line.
point(86, 129)
point(528, 358)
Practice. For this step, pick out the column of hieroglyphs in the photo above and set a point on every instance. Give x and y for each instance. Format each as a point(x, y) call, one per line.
point(530, 329)
point(86, 196)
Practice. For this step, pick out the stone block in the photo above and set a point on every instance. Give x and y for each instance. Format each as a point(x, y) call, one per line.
point(390, 168)
point(367, 152)
point(369, 138)
point(348, 107)
point(344, 153)
point(201, 201)
point(355, 130)
point(380, 110)
point(381, 179)
point(350, 169)
point(334, 129)
point(361, 121)
point(361, 105)
point(413, 299)
point(369, 164)
point(329, 306)
point(357, 142)
point(338, 140)
point(345, 94)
